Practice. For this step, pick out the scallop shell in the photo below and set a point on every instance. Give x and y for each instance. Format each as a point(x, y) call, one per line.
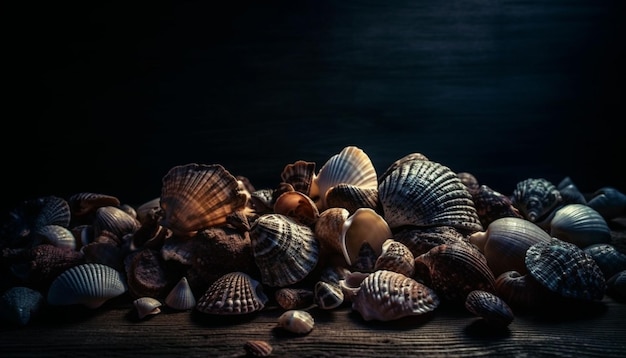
point(387, 295)
point(296, 321)
point(494, 310)
point(579, 224)
point(147, 306)
point(505, 242)
point(181, 297)
point(20, 304)
point(30, 216)
point(566, 269)
point(491, 205)
point(114, 220)
point(86, 203)
point(297, 206)
point(50, 210)
point(198, 196)
point(350, 166)
point(396, 257)
point(58, 236)
point(284, 250)
point(352, 197)
point(609, 259)
point(234, 293)
point(364, 226)
point(328, 229)
point(609, 202)
point(400, 162)
point(90, 285)
point(327, 296)
point(300, 175)
point(425, 193)
point(535, 198)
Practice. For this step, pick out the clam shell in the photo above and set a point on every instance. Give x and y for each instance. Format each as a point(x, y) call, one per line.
point(328, 229)
point(425, 193)
point(296, 321)
point(234, 293)
point(181, 297)
point(396, 257)
point(352, 197)
point(300, 175)
point(147, 306)
point(609, 202)
point(579, 224)
point(58, 235)
point(535, 198)
point(284, 250)
point(86, 203)
point(114, 220)
point(350, 166)
point(297, 206)
point(90, 285)
point(327, 295)
point(20, 304)
point(198, 196)
point(387, 295)
point(566, 269)
point(364, 226)
point(494, 310)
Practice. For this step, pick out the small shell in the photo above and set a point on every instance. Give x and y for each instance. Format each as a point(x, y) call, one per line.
point(297, 206)
point(300, 175)
point(181, 297)
point(491, 205)
point(258, 348)
point(148, 211)
point(579, 224)
point(387, 295)
point(328, 229)
point(327, 296)
point(535, 198)
point(198, 196)
point(296, 321)
point(234, 293)
point(86, 203)
point(494, 310)
point(609, 259)
point(90, 285)
point(114, 220)
point(566, 269)
point(294, 298)
point(352, 197)
point(50, 210)
point(609, 202)
point(396, 257)
point(147, 306)
point(20, 304)
point(363, 226)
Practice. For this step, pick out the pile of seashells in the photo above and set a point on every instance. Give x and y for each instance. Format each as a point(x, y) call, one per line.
point(392, 245)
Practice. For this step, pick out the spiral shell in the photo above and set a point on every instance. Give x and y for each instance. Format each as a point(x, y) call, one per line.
point(234, 293)
point(363, 226)
point(535, 198)
point(579, 224)
point(494, 310)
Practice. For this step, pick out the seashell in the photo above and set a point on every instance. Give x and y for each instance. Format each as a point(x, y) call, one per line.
point(505, 242)
point(296, 321)
point(234, 293)
point(609, 259)
point(364, 226)
point(566, 269)
point(420, 240)
point(334, 274)
point(284, 250)
point(609, 202)
point(90, 285)
point(49, 210)
point(114, 220)
point(365, 259)
point(83, 234)
point(535, 198)
point(262, 201)
point(387, 295)
point(149, 211)
point(258, 348)
point(400, 162)
point(327, 295)
point(31, 215)
point(352, 197)
point(616, 285)
point(86, 203)
point(146, 274)
point(494, 310)
point(147, 306)
point(453, 270)
point(328, 229)
point(469, 180)
point(290, 298)
point(396, 257)
point(491, 205)
point(521, 291)
point(351, 284)
point(425, 193)
point(579, 224)
point(298, 206)
point(20, 304)
point(300, 175)
point(181, 297)
point(58, 235)
point(570, 193)
point(350, 166)
point(198, 196)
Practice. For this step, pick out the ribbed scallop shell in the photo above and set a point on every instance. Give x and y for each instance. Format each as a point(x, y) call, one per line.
point(396, 257)
point(494, 310)
point(581, 225)
point(363, 226)
point(234, 293)
point(284, 250)
point(258, 348)
point(400, 162)
point(350, 166)
point(147, 306)
point(50, 210)
point(386, 295)
point(296, 321)
point(181, 297)
point(114, 220)
point(297, 206)
point(86, 203)
point(352, 197)
point(505, 242)
point(90, 285)
point(198, 196)
point(535, 198)
point(425, 193)
point(566, 269)
point(19, 304)
point(609, 259)
point(58, 236)
point(300, 175)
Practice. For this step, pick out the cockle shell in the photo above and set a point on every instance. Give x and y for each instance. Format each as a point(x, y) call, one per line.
point(609, 259)
point(364, 226)
point(258, 348)
point(328, 229)
point(352, 197)
point(296, 321)
point(350, 166)
point(147, 306)
point(20, 304)
point(386, 295)
point(114, 220)
point(400, 162)
point(396, 257)
point(566, 269)
point(297, 206)
point(49, 210)
point(84, 204)
point(181, 297)
point(494, 310)
point(284, 250)
point(90, 285)
point(425, 193)
point(535, 198)
point(579, 224)
point(58, 235)
point(327, 295)
point(300, 175)
point(198, 196)
point(491, 205)
point(505, 242)
point(234, 293)
point(609, 202)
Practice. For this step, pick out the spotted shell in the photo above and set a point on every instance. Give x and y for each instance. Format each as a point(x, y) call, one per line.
point(352, 197)
point(181, 296)
point(20, 304)
point(284, 250)
point(609, 202)
point(579, 224)
point(386, 295)
point(198, 196)
point(494, 310)
point(90, 285)
point(535, 198)
point(566, 269)
point(350, 166)
point(296, 321)
point(327, 295)
point(294, 298)
point(491, 205)
point(396, 257)
point(86, 203)
point(147, 306)
point(425, 193)
point(300, 175)
point(297, 206)
point(234, 293)
point(364, 226)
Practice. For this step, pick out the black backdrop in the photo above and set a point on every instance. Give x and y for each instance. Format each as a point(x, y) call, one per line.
point(106, 98)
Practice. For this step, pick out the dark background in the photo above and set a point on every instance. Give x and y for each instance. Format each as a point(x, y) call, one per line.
point(107, 98)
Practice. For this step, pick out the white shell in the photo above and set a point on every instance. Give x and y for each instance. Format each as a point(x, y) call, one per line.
point(296, 321)
point(181, 296)
point(147, 306)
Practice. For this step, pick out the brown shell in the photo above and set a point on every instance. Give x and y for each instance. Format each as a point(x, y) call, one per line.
point(328, 229)
point(234, 293)
point(290, 298)
point(300, 175)
point(86, 203)
point(420, 240)
point(352, 197)
point(470, 181)
point(147, 274)
point(522, 291)
point(298, 206)
point(396, 257)
point(258, 348)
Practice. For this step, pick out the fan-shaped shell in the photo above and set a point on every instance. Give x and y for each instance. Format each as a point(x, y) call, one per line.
point(58, 236)
point(234, 293)
point(19, 304)
point(494, 310)
point(50, 210)
point(425, 193)
point(147, 306)
point(350, 166)
point(284, 250)
point(420, 240)
point(352, 197)
point(86, 203)
point(535, 198)
point(386, 295)
point(90, 285)
point(566, 269)
point(114, 220)
point(400, 162)
point(300, 175)
point(198, 196)
point(363, 226)
point(581, 225)
point(181, 297)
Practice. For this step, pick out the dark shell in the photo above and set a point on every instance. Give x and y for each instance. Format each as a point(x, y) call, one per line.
point(608, 258)
point(616, 285)
point(42, 263)
point(327, 295)
point(20, 304)
point(492, 205)
point(351, 197)
point(290, 298)
point(420, 240)
point(114, 220)
point(493, 309)
point(535, 198)
point(258, 348)
point(522, 291)
point(300, 175)
point(147, 274)
point(609, 202)
point(470, 181)
point(85, 203)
